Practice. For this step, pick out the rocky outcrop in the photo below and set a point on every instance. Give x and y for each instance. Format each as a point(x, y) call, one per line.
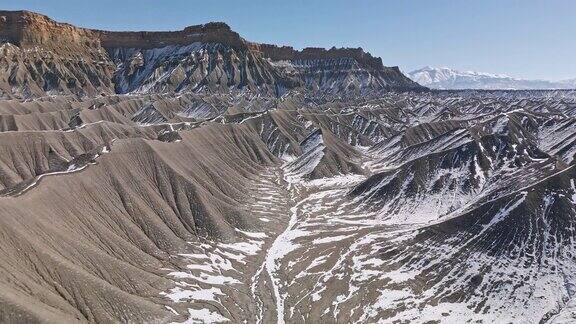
point(43, 57)
point(40, 56)
point(214, 32)
point(27, 29)
point(288, 53)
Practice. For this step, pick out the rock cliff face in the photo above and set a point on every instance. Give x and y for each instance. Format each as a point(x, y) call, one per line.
point(214, 32)
point(40, 55)
point(196, 67)
point(288, 53)
point(335, 71)
point(29, 30)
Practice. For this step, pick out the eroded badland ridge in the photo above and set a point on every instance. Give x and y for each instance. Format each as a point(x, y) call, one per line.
point(196, 176)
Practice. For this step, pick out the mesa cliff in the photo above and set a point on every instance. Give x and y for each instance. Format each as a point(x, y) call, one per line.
point(34, 67)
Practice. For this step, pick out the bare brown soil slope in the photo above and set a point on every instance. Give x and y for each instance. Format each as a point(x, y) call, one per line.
point(162, 208)
point(89, 245)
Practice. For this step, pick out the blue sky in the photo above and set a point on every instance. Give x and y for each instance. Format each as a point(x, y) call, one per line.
point(530, 39)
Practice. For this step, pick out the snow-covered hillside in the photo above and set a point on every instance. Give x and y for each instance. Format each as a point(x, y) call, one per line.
point(446, 78)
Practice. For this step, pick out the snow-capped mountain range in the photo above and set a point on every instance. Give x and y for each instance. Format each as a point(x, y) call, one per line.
point(446, 78)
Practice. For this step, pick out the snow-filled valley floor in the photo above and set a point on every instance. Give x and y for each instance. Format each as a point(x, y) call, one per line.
point(426, 231)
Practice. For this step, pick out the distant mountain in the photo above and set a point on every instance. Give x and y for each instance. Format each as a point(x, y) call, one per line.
point(446, 78)
point(571, 83)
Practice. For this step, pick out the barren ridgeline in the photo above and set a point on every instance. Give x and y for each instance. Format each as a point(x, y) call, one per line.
point(194, 176)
